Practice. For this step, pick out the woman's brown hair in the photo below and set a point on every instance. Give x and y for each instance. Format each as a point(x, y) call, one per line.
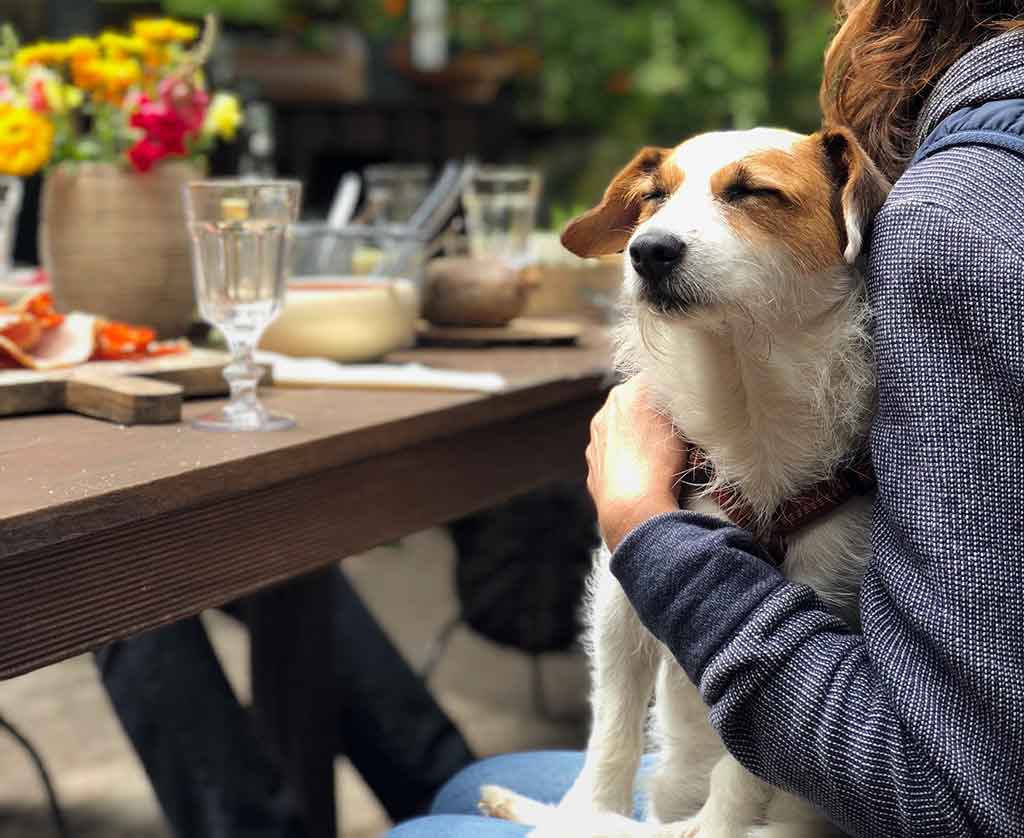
point(887, 56)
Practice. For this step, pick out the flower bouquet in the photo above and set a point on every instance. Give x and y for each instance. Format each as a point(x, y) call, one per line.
point(118, 123)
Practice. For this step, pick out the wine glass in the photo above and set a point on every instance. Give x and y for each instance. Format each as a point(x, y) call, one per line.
point(241, 235)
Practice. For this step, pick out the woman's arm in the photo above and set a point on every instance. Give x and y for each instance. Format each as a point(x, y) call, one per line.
point(916, 727)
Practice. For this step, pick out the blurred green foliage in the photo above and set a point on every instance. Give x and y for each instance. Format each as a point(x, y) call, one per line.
point(618, 74)
point(613, 75)
point(255, 12)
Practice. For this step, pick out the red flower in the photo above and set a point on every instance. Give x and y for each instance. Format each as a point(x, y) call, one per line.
point(167, 122)
point(145, 153)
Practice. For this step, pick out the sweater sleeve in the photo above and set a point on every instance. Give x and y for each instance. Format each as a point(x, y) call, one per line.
point(916, 726)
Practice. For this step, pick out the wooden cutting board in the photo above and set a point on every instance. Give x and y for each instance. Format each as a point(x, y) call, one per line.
point(521, 330)
point(127, 392)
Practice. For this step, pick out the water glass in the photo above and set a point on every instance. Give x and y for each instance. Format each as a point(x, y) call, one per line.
point(10, 205)
point(394, 191)
point(501, 211)
point(241, 232)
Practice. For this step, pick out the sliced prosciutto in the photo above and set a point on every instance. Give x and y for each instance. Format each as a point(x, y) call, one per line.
point(70, 343)
point(35, 336)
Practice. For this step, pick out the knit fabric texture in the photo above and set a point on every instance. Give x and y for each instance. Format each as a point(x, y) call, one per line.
point(915, 725)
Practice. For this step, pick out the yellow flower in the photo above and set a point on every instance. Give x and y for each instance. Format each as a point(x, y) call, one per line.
point(223, 117)
point(119, 47)
point(46, 53)
point(165, 30)
point(26, 141)
point(81, 49)
point(72, 97)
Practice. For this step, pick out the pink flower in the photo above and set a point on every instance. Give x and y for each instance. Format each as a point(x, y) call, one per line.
point(37, 96)
point(189, 101)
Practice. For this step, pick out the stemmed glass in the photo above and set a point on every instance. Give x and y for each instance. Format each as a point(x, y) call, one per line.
point(241, 235)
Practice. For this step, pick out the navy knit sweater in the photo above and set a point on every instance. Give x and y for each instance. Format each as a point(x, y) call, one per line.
point(914, 727)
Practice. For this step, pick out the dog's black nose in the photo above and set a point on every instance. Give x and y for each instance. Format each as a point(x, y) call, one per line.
point(654, 255)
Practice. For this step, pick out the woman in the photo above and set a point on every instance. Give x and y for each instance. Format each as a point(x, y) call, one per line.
point(915, 727)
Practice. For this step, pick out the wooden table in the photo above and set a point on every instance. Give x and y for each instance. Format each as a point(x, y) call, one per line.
point(107, 531)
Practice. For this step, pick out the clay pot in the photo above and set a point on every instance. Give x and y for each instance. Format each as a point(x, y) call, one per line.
point(114, 242)
point(473, 292)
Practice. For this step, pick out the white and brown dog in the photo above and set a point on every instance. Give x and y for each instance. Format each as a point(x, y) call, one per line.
point(746, 313)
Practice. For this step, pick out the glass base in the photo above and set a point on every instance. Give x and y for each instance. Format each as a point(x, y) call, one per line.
point(250, 420)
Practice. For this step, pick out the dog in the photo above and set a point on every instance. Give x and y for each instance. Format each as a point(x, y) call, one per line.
point(746, 312)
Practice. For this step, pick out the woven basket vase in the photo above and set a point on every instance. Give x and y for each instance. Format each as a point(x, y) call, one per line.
point(114, 242)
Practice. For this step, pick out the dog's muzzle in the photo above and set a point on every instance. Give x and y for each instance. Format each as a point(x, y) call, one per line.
point(655, 255)
point(656, 258)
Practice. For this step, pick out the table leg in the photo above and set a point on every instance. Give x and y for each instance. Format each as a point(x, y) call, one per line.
point(294, 694)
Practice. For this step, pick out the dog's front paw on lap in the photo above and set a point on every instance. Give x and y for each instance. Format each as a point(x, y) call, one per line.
point(498, 802)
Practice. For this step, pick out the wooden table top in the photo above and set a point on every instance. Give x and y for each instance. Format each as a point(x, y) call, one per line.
point(79, 495)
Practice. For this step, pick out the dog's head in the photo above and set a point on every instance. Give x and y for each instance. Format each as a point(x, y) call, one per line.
point(736, 219)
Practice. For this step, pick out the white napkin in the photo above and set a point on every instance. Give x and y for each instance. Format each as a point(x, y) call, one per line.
point(320, 372)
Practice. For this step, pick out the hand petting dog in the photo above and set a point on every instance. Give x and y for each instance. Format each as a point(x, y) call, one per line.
point(634, 458)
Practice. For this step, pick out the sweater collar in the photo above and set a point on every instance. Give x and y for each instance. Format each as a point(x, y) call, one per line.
point(992, 70)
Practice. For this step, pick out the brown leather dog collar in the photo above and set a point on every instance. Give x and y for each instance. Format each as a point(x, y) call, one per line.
point(855, 476)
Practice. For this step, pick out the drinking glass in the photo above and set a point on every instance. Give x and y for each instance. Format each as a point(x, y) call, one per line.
point(10, 204)
point(394, 191)
point(241, 234)
point(501, 210)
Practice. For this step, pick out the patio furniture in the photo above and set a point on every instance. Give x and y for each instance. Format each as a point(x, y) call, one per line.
point(108, 531)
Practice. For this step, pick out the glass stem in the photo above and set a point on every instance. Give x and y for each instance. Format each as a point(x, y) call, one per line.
point(243, 376)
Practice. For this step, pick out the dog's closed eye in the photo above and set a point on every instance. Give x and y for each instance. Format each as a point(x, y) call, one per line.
point(740, 190)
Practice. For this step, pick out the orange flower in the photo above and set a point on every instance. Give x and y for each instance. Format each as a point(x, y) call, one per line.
point(108, 79)
point(26, 141)
point(394, 8)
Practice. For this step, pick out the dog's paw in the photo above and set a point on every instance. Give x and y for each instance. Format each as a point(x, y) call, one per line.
point(498, 802)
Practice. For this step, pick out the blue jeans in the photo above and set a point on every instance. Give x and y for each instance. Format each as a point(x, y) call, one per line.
point(544, 776)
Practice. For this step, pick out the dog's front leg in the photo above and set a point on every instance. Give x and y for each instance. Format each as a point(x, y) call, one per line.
point(624, 658)
point(737, 802)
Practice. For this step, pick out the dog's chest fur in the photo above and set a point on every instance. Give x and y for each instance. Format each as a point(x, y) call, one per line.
point(775, 412)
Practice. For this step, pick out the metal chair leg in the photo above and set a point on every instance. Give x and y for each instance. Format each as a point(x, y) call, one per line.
point(439, 647)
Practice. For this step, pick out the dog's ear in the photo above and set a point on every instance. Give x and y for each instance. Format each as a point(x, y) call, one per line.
point(861, 188)
point(607, 227)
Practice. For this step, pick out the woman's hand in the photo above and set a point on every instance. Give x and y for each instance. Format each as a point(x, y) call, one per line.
point(634, 458)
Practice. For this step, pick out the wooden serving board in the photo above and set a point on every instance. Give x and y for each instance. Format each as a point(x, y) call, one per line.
point(521, 330)
point(127, 392)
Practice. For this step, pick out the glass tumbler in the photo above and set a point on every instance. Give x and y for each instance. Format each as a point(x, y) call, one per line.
point(501, 211)
point(241, 235)
point(10, 204)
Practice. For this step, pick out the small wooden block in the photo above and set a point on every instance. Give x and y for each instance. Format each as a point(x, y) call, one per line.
point(128, 400)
